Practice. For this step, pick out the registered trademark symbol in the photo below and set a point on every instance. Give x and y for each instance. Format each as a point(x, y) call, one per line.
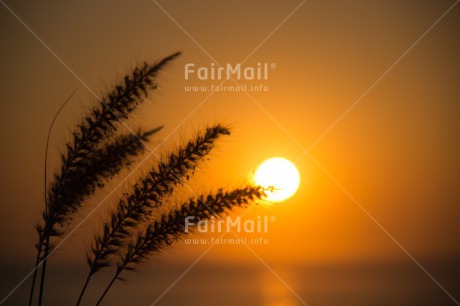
point(272, 66)
point(272, 218)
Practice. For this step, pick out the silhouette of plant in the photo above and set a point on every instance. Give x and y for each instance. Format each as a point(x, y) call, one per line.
point(170, 226)
point(147, 195)
point(95, 155)
point(70, 186)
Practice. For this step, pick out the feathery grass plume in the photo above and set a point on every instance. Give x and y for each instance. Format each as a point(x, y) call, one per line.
point(147, 195)
point(92, 173)
point(171, 226)
point(119, 153)
point(93, 131)
point(104, 163)
point(96, 128)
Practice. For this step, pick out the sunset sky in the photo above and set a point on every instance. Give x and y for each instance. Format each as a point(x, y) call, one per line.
point(362, 96)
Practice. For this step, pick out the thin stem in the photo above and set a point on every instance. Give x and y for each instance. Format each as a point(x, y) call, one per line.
point(108, 287)
point(40, 245)
point(84, 287)
point(93, 269)
point(32, 288)
point(42, 281)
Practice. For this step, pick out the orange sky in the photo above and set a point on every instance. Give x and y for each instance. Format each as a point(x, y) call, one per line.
point(396, 152)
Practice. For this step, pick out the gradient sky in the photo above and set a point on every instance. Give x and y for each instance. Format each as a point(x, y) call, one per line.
point(394, 154)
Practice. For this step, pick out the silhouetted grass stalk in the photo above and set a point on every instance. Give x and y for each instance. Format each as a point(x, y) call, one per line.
point(167, 229)
point(147, 195)
point(104, 164)
point(94, 155)
point(70, 187)
point(45, 180)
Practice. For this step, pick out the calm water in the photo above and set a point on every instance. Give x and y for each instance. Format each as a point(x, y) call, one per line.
point(204, 284)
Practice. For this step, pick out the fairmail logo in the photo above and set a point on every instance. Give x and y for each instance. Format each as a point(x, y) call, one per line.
point(228, 72)
point(228, 224)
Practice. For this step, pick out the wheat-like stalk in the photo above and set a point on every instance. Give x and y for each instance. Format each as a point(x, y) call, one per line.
point(147, 195)
point(171, 226)
point(96, 128)
point(62, 199)
point(104, 163)
point(92, 173)
point(94, 155)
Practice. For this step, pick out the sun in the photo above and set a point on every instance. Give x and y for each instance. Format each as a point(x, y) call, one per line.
point(279, 174)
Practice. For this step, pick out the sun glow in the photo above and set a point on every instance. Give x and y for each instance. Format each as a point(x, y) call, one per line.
point(281, 175)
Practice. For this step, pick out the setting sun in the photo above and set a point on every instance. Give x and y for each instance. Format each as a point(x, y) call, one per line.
point(281, 174)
